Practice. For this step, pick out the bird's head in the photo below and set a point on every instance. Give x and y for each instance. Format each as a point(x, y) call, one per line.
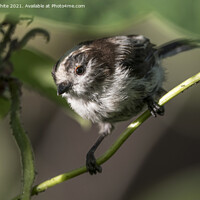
point(82, 70)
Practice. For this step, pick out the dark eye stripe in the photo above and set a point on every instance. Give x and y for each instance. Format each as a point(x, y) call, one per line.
point(55, 67)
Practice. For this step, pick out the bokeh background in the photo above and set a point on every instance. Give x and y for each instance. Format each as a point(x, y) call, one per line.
point(160, 160)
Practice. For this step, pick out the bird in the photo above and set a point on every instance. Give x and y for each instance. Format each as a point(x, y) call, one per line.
point(113, 79)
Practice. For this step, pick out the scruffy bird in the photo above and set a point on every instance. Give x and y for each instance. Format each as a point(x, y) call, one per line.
point(112, 79)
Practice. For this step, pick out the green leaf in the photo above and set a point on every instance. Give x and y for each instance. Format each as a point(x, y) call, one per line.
point(183, 13)
point(34, 69)
point(22, 141)
point(4, 106)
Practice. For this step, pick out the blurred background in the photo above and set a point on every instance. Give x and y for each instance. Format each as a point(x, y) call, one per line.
point(159, 161)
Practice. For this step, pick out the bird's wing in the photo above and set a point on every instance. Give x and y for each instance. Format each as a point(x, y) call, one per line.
point(136, 53)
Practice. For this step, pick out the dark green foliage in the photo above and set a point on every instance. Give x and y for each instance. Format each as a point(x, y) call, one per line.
point(10, 93)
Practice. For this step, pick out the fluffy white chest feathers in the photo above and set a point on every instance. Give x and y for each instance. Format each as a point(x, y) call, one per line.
point(86, 109)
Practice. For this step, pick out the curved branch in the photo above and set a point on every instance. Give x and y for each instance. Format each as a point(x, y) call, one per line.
point(122, 138)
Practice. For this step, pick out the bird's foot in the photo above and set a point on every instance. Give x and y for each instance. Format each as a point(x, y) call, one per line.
point(154, 108)
point(91, 164)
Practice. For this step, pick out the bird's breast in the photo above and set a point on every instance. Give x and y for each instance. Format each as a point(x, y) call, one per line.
point(90, 110)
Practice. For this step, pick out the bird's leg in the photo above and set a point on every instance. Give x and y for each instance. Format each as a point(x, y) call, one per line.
point(91, 164)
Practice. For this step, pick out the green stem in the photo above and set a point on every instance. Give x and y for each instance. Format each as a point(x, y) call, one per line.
point(22, 141)
point(122, 138)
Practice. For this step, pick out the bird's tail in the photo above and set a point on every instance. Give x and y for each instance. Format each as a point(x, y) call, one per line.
point(177, 46)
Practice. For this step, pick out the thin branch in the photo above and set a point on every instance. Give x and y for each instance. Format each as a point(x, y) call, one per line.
point(122, 138)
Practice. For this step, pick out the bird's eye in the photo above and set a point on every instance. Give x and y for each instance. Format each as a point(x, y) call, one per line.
point(79, 70)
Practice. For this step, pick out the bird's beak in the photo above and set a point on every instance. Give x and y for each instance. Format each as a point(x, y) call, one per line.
point(63, 87)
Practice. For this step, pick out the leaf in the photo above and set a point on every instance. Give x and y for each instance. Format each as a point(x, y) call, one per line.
point(183, 13)
point(4, 106)
point(34, 69)
point(23, 142)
